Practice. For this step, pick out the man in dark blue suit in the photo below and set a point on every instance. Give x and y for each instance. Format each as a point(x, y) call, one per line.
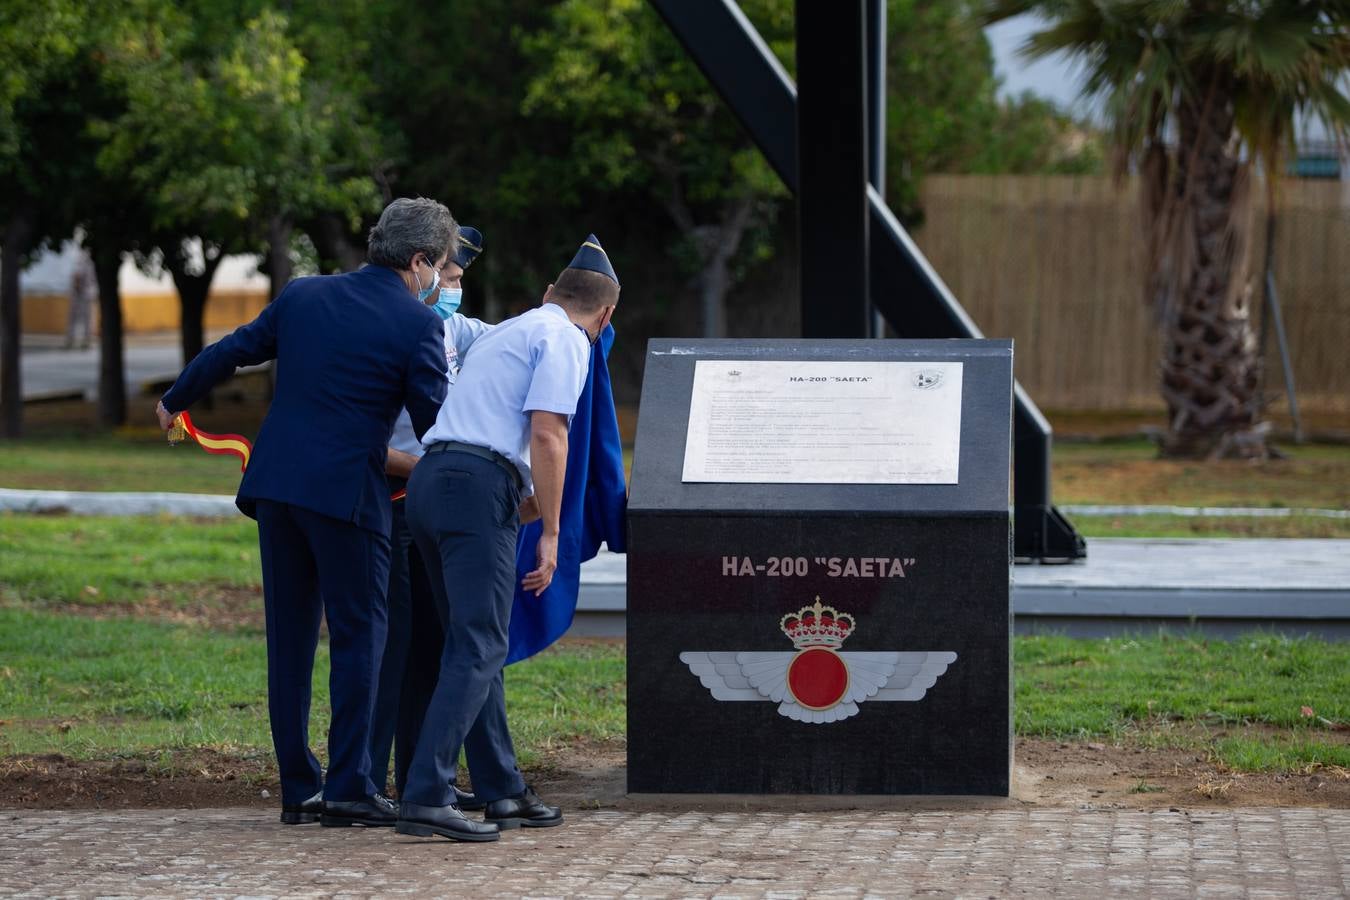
point(350, 351)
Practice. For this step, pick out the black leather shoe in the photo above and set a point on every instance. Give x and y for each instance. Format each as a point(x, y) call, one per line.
point(467, 801)
point(373, 811)
point(526, 810)
point(447, 821)
point(302, 813)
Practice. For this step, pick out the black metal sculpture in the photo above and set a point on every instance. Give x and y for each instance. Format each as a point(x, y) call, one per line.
point(815, 138)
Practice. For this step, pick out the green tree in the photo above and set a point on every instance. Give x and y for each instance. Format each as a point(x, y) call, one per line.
point(1200, 96)
point(1030, 135)
point(53, 186)
point(536, 120)
point(233, 141)
point(940, 95)
point(450, 97)
point(38, 41)
point(634, 114)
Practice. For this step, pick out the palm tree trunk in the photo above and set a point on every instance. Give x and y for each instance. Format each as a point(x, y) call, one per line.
point(1210, 359)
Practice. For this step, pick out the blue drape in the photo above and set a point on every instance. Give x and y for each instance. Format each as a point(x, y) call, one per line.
point(594, 504)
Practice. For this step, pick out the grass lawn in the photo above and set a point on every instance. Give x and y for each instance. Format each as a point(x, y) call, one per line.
point(1193, 692)
point(1152, 526)
point(77, 679)
point(97, 688)
point(167, 561)
point(1112, 472)
point(123, 559)
point(1315, 476)
point(127, 687)
point(139, 461)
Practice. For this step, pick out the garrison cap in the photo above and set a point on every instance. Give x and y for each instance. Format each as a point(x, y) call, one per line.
point(467, 247)
point(592, 258)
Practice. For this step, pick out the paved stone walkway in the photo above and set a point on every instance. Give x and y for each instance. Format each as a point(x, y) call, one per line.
point(1300, 853)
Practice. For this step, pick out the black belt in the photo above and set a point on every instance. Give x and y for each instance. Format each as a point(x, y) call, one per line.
point(481, 453)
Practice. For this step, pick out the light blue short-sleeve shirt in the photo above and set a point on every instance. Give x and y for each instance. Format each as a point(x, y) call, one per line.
point(460, 333)
point(534, 362)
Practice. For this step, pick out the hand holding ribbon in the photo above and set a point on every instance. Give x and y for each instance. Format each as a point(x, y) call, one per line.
point(180, 426)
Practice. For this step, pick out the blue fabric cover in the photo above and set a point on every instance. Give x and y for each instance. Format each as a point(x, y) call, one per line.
point(594, 507)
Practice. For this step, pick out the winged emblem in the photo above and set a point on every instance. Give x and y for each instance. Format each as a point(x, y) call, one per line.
point(818, 683)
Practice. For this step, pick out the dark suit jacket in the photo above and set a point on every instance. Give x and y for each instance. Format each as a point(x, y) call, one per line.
point(351, 350)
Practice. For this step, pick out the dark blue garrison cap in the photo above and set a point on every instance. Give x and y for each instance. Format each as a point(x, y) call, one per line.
point(467, 248)
point(592, 258)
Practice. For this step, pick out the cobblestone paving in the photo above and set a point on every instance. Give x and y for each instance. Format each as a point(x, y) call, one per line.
point(969, 853)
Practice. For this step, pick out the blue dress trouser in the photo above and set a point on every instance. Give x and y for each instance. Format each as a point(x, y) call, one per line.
point(314, 565)
point(398, 681)
point(426, 640)
point(462, 511)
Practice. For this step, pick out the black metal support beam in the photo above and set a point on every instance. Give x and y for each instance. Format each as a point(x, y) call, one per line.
point(742, 68)
point(832, 167)
point(876, 95)
point(876, 127)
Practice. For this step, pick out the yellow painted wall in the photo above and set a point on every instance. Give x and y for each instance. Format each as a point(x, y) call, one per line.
point(46, 313)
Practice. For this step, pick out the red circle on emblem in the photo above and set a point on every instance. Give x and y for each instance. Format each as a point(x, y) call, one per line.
point(817, 678)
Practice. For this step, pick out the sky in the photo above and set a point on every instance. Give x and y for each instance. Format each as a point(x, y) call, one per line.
point(1053, 77)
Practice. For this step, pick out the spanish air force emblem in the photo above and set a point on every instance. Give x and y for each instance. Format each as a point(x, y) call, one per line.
point(818, 683)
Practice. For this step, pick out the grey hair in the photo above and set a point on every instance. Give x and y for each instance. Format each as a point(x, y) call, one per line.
point(410, 226)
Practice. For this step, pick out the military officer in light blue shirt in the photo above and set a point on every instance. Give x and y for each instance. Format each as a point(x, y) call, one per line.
point(501, 438)
point(405, 687)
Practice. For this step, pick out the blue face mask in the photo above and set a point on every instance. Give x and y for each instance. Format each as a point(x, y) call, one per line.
point(424, 292)
point(448, 302)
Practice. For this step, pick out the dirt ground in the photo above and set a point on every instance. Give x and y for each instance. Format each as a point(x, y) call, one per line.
point(212, 606)
point(1046, 773)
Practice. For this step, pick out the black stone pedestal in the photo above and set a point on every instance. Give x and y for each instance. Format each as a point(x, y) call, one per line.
point(820, 638)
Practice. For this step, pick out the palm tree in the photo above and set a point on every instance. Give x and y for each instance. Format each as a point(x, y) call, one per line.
point(1200, 95)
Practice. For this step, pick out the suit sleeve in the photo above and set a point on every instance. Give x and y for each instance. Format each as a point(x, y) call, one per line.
point(425, 384)
point(247, 345)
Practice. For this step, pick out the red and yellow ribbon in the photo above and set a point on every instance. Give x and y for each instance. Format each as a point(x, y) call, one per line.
point(224, 444)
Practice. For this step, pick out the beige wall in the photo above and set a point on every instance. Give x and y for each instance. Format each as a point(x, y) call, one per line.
point(46, 313)
point(1054, 263)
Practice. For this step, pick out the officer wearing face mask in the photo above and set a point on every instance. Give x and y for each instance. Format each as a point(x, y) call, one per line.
point(501, 436)
point(400, 703)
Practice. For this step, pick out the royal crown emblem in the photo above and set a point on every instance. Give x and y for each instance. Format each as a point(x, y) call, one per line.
point(817, 626)
point(818, 683)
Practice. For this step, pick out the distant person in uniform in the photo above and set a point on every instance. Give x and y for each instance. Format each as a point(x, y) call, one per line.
point(83, 295)
point(501, 438)
point(351, 351)
point(413, 646)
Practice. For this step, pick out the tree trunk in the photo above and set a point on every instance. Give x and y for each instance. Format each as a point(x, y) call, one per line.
point(714, 281)
point(193, 292)
point(331, 239)
point(1210, 360)
point(717, 247)
point(18, 232)
point(279, 270)
point(279, 266)
point(112, 375)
